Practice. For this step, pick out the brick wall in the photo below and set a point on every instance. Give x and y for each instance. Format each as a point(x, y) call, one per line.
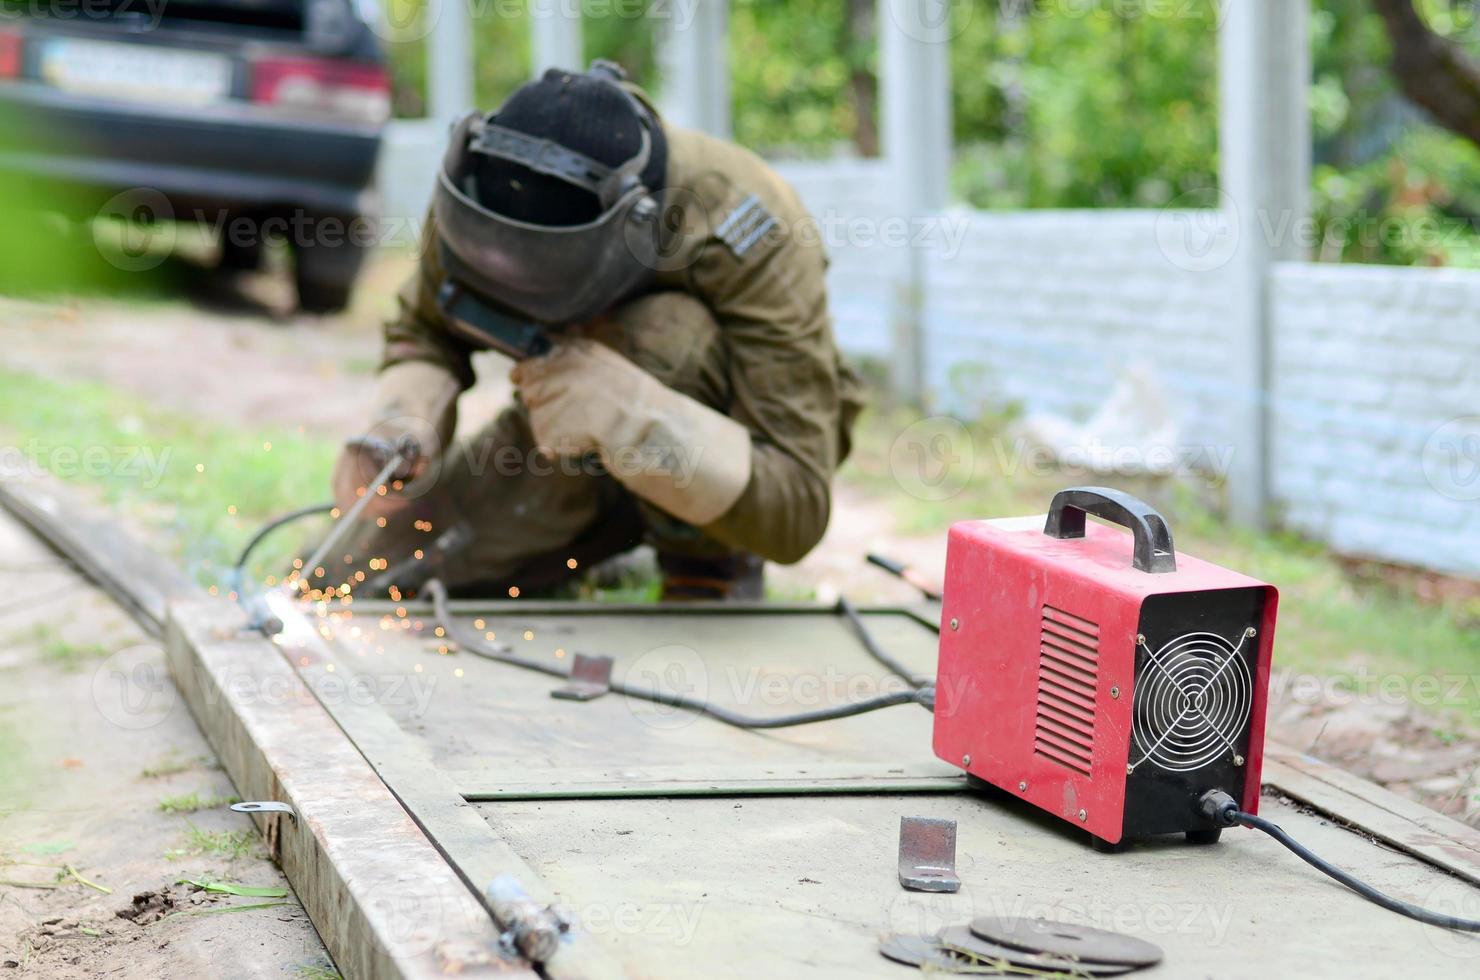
point(1376, 435)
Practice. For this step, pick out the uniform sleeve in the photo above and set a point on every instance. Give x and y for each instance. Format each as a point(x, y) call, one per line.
point(418, 331)
point(766, 288)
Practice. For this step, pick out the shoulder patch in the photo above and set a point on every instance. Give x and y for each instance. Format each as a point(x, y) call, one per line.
point(744, 226)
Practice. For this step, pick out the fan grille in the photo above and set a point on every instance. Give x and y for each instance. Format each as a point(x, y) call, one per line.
point(1193, 699)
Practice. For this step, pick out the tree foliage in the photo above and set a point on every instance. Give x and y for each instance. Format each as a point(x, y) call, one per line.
point(1086, 104)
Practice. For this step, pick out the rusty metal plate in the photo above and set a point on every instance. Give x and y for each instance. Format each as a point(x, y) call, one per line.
point(927, 854)
point(590, 677)
point(1065, 939)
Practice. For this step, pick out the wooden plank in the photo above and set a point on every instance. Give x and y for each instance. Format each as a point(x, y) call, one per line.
point(134, 576)
point(1402, 823)
point(463, 837)
point(382, 898)
point(517, 783)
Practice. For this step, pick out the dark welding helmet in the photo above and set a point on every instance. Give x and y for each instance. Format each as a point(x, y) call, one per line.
point(553, 273)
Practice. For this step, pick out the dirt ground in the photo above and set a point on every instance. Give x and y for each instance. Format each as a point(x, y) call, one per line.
point(93, 741)
point(236, 352)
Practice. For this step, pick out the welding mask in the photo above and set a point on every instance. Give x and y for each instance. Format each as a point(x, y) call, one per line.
point(554, 274)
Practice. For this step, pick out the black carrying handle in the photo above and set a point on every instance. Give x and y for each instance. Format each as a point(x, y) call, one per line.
point(1154, 550)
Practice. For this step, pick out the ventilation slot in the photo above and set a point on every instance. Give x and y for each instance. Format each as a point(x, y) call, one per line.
point(1068, 669)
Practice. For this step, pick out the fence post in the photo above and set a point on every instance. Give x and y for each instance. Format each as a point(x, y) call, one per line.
point(915, 123)
point(449, 60)
point(694, 56)
point(1264, 149)
point(555, 36)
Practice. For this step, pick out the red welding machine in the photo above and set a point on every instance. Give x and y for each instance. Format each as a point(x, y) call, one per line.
point(1100, 675)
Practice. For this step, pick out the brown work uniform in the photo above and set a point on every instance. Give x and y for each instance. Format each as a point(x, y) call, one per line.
point(737, 319)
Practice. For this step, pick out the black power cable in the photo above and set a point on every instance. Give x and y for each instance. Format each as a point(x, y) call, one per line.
point(1221, 807)
point(262, 532)
point(473, 644)
point(849, 613)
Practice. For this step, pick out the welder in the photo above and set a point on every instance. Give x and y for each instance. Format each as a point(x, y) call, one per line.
point(676, 376)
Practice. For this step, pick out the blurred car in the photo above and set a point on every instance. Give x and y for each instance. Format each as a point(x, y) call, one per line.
point(253, 117)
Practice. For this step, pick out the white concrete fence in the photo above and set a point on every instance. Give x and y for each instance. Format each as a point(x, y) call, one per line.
point(1374, 408)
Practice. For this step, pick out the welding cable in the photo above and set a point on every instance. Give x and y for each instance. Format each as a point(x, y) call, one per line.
point(912, 576)
point(848, 612)
point(438, 594)
point(1222, 808)
point(240, 568)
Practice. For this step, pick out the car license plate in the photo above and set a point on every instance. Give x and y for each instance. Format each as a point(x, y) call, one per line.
point(137, 72)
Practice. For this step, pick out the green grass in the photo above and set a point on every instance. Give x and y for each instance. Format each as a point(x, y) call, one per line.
point(191, 802)
point(1362, 630)
point(58, 651)
point(172, 765)
point(200, 487)
point(317, 971)
point(227, 844)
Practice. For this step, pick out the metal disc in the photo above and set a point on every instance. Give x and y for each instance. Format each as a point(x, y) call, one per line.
point(962, 940)
point(917, 951)
point(1066, 940)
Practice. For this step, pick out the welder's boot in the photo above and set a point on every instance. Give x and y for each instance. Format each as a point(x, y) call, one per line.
point(738, 576)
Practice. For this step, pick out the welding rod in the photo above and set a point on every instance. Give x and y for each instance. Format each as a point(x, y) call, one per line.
point(347, 521)
point(908, 573)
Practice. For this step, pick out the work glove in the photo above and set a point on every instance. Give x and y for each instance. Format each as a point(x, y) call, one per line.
point(414, 414)
point(679, 455)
